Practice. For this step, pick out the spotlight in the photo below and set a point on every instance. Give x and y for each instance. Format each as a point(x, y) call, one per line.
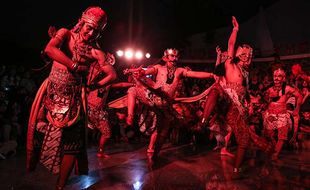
point(128, 54)
point(120, 53)
point(139, 55)
point(147, 55)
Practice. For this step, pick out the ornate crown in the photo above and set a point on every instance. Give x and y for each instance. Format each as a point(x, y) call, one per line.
point(95, 16)
point(244, 49)
point(171, 51)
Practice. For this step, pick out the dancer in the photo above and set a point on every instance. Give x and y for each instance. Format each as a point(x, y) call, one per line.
point(218, 125)
point(160, 94)
point(235, 88)
point(276, 117)
point(58, 112)
point(97, 105)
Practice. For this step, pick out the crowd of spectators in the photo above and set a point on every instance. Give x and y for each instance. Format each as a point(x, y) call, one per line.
point(19, 84)
point(17, 91)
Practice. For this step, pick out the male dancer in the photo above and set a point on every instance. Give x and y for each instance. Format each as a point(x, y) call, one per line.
point(161, 94)
point(58, 112)
point(236, 76)
point(96, 102)
point(276, 117)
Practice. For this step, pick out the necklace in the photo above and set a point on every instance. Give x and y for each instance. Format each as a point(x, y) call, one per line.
point(170, 74)
point(245, 75)
point(81, 50)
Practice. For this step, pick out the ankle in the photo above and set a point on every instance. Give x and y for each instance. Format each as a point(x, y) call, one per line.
point(129, 119)
point(237, 170)
point(150, 150)
point(130, 116)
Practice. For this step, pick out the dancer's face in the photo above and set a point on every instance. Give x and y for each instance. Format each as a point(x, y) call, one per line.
point(245, 60)
point(88, 31)
point(172, 58)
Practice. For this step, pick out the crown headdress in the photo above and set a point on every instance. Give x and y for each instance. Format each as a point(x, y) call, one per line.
point(95, 16)
point(244, 49)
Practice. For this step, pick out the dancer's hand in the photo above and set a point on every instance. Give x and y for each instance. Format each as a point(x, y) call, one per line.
point(126, 71)
point(235, 23)
point(136, 72)
point(218, 50)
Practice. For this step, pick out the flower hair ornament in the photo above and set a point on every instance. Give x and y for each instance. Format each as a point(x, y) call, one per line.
point(170, 51)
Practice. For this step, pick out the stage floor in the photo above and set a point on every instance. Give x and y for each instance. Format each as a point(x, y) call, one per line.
point(182, 167)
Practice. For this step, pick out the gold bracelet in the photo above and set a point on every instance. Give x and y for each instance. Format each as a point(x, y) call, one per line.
point(204, 120)
point(74, 66)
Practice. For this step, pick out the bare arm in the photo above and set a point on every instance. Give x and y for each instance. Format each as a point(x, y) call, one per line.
point(52, 49)
point(106, 68)
point(232, 40)
point(218, 55)
point(132, 70)
point(110, 75)
point(295, 92)
point(122, 85)
point(141, 72)
point(151, 70)
point(298, 96)
point(305, 97)
point(197, 74)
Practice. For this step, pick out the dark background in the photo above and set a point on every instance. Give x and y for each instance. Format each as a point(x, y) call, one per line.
point(152, 25)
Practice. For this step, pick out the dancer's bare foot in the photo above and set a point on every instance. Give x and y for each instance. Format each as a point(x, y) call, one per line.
point(102, 155)
point(150, 150)
point(237, 174)
point(216, 148)
point(225, 152)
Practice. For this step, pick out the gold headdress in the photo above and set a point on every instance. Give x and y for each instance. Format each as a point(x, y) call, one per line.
point(95, 16)
point(170, 51)
point(244, 50)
